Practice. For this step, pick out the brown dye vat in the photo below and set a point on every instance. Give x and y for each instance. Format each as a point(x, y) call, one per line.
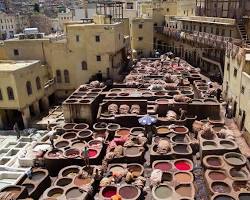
point(239, 185)
point(136, 170)
point(180, 130)
point(221, 187)
point(217, 176)
point(184, 190)
point(15, 191)
point(69, 135)
point(115, 90)
point(61, 144)
point(223, 197)
point(100, 125)
point(55, 153)
point(214, 161)
point(210, 101)
point(238, 173)
point(83, 89)
point(181, 148)
point(163, 130)
point(81, 126)
point(172, 93)
point(63, 182)
point(70, 172)
point(217, 128)
point(92, 94)
point(79, 181)
point(244, 196)
point(123, 94)
point(38, 175)
point(112, 94)
point(55, 192)
point(183, 177)
point(72, 153)
point(128, 192)
point(137, 131)
point(208, 136)
point(96, 90)
point(85, 133)
point(84, 101)
point(74, 193)
point(69, 126)
point(71, 101)
point(167, 177)
point(113, 127)
point(227, 144)
point(160, 93)
point(75, 97)
point(146, 94)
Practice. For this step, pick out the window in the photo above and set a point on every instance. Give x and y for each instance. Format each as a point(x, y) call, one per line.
point(194, 27)
point(97, 38)
point(10, 93)
point(66, 76)
point(200, 29)
point(84, 65)
point(212, 30)
point(205, 29)
point(228, 66)
point(16, 52)
point(98, 58)
point(58, 76)
point(130, 5)
point(230, 33)
point(28, 88)
point(217, 31)
point(1, 96)
point(167, 9)
point(235, 72)
point(38, 83)
point(140, 26)
point(242, 90)
point(77, 38)
point(140, 38)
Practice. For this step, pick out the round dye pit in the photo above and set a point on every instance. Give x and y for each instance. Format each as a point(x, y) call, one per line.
point(55, 153)
point(185, 190)
point(217, 176)
point(163, 192)
point(128, 192)
point(214, 161)
point(209, 144)
point(109, 191)
point(85, 133)
point(81, 126)
point(181, 130)
point(235, 159)
point(62, 144)
point(79, 145)
point(70, 172)
point(79, 181)
point(167, 177)
point(163, 130)
point(244, 196)
point(223, 197)
point(100, 125)
point(72, 153)
point(55, 192)
point(238, 173)
point(74, 193)
point(183, 165)
point(38, 175)
point(135, 169)
point(137, 131)
point(220, 187)
point(238, 185)
point(163, 166)
point(63, 182)
point(29, 187)
point(182, 177)
point(180, 139)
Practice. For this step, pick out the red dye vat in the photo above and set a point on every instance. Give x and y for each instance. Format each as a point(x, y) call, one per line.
point(108, 192)
point(92, 153)
point(163, 166)
point(182, 165)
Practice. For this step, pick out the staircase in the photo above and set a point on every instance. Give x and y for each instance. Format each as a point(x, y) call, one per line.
point(242, 31)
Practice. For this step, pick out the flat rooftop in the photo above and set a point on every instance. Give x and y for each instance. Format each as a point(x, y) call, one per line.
point(11, 65)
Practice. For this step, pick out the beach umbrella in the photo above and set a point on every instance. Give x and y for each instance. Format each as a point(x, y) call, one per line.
point(147, 120)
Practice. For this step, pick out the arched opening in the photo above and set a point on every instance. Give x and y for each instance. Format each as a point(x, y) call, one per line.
point(66, 76)
point(84, 65)
point(58, 76)
point(29, 88)
point(10, 93)
point(38, 83)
